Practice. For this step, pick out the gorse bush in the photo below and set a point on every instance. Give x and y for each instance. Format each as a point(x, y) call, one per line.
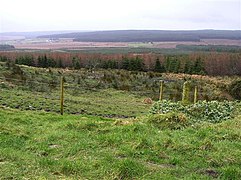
point(212, 111)
point(235, 89)
point(165, 106)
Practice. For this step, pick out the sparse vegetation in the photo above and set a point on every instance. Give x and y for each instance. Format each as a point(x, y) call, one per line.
point(99, 92)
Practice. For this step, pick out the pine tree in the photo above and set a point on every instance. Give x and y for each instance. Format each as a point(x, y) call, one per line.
point(60, 63)
point(40, 61)
point(45, 61)
point(76, 63)
point(158, 67)
point(188, 67)
point(172, 65)
point(125, 63)
point(198, 67)
point(167, 64)
point(139, 65)
point(177, 65)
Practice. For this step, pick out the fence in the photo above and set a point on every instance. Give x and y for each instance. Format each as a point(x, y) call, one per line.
point(88, 98)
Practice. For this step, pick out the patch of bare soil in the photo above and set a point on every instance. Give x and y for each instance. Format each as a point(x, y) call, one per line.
point(210, 172)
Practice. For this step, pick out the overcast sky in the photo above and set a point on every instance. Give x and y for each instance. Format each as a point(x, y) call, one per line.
point(48, 15)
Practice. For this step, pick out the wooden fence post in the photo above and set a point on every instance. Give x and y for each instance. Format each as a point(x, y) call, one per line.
point(185, 92)
point(195, 95)
point(62, 96)
point(161, 90)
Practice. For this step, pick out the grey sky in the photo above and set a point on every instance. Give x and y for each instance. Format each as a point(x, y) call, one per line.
point(47, 15)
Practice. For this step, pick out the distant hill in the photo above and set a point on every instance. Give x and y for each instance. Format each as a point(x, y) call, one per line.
point(147, 35)
point(35, 34)
point(6, 47)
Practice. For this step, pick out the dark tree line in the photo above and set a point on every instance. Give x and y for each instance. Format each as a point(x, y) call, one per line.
point(174, 65)
point(133, 64)
point(25, 60)
point(197, 63)
point(171, 64)
point(44, 61)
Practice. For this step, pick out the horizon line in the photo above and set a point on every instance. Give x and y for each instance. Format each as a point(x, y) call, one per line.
point(1, 32)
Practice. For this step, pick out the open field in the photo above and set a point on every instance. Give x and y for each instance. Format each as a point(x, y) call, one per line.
point(48, 44)
point(61, 44)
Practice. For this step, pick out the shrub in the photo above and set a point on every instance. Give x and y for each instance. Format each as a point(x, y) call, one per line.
point(212, 111)
point(165, 106)
point(235, 89)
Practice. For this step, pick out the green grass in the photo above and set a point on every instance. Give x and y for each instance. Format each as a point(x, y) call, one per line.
point(36, 144)
point(107, 102)
point(40, 145)
point(84, 94)
point(111, 93)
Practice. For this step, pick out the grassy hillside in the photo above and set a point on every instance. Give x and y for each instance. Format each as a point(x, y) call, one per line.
point(108, 132)
point(39, 145)
point(31, 88)
point(108, 93)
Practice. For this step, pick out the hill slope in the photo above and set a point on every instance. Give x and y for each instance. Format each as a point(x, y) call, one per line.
point(147, 35)
point(38, 145)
